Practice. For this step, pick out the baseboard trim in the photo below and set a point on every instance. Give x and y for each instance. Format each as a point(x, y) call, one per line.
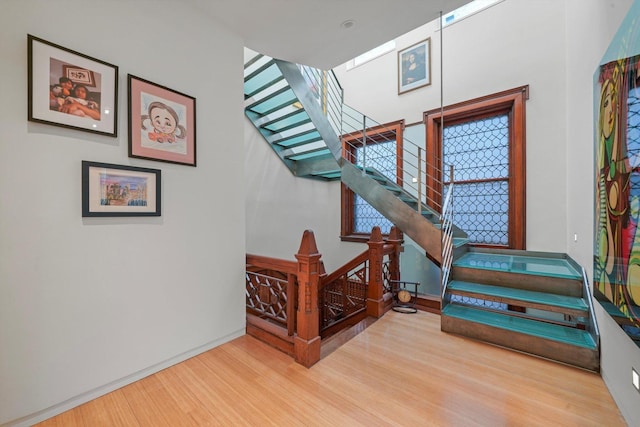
point(78, 400)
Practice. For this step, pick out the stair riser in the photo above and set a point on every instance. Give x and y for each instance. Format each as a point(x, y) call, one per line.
point(552, 285)
point(521, 303)
point(406, 219)
point(554, 350)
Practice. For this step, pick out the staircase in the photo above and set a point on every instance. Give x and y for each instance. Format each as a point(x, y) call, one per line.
point(535, 303)
point(300, 113)
point(285, 110)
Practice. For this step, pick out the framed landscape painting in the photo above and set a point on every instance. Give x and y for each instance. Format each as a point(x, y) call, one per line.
point(118, 190)
point(162, 123)
point(70, 89)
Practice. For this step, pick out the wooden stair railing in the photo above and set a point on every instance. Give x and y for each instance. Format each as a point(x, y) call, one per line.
point(343, 295)
point(293, 329)
point(283, 297)
point(362, 286)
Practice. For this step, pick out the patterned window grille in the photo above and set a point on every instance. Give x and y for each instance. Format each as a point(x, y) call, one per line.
point(479, 151)
point(377, 156)
point(633, 137)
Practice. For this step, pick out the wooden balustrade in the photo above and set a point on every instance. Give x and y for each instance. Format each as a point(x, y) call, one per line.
point(375, 290)
point(307, 342)
point(289, 292)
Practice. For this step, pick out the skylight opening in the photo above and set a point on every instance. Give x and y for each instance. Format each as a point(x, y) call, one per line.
point(374, 53)
point(467, 10)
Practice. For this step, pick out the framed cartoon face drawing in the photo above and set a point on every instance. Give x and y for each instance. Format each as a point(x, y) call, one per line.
point(162, 123)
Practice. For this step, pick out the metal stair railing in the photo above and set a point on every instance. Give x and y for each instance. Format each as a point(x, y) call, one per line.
point(378, 147)
point(401, 184)
point(411, 174)
point(362, 131)
point(592, 326)
point(446, 220)
point(328, 92)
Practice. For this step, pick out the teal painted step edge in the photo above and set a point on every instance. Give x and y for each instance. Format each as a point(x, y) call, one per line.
point(521, 264)
point(543, 330)
point(459, 241)
point(562, 301)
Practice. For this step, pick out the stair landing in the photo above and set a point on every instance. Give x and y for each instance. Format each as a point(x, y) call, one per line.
point(522, 264)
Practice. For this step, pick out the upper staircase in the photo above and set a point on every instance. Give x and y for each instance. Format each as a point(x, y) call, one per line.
point(514, 299)
point(285, 110)
point(300, 113)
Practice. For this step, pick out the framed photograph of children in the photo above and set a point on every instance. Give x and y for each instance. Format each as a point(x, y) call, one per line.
point(117, 190)
point(162, 123)
point(414, 66)
point(70, 89)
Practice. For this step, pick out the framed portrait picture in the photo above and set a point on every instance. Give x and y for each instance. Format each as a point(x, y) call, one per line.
point(414, 66)
point(162, 123)
point(70, 89)
point(117, 190)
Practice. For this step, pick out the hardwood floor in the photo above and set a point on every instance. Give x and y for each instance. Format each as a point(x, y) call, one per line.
point(400, 371)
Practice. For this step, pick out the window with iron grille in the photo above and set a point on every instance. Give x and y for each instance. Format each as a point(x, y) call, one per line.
point(484, 140)
point(479, 151)
point(383, 143)
point(633, 136)
point(365, 216)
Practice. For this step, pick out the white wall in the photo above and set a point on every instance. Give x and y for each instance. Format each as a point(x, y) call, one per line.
point(489, 52)
point(86, 304)
point(280, 207)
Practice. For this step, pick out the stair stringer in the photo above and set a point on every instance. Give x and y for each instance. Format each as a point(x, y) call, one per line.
point(294, 77)
point(414, 225)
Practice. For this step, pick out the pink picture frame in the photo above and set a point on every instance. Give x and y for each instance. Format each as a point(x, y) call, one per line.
point(162, 123)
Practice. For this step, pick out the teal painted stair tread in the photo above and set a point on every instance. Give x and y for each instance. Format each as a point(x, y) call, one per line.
point(303, 138)
point(577, 337)
point(287, 122)
point(562, 301)
point(258, 81)
point(533, 265)
point(273, 101)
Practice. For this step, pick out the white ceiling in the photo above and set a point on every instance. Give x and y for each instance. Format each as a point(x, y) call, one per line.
point(309, 31)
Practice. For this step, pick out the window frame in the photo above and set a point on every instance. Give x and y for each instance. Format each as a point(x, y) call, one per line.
point(510, 102)
point(350, 141)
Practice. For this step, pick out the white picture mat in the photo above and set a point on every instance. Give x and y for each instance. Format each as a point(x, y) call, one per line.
point(41, 56)
point(95, 190)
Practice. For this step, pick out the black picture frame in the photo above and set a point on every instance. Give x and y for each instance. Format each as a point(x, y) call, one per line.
point(110, 190)
point(56, 76)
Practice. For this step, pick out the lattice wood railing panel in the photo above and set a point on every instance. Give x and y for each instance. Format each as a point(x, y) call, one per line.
point(267, 296)
point(344, 296)
point(386, 274)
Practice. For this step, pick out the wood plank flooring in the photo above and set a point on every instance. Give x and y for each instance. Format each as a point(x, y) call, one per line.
point(400, 371)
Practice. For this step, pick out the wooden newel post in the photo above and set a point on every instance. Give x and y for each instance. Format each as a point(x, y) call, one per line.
point(394, 258)
point(307, 340)
point(375, 290)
